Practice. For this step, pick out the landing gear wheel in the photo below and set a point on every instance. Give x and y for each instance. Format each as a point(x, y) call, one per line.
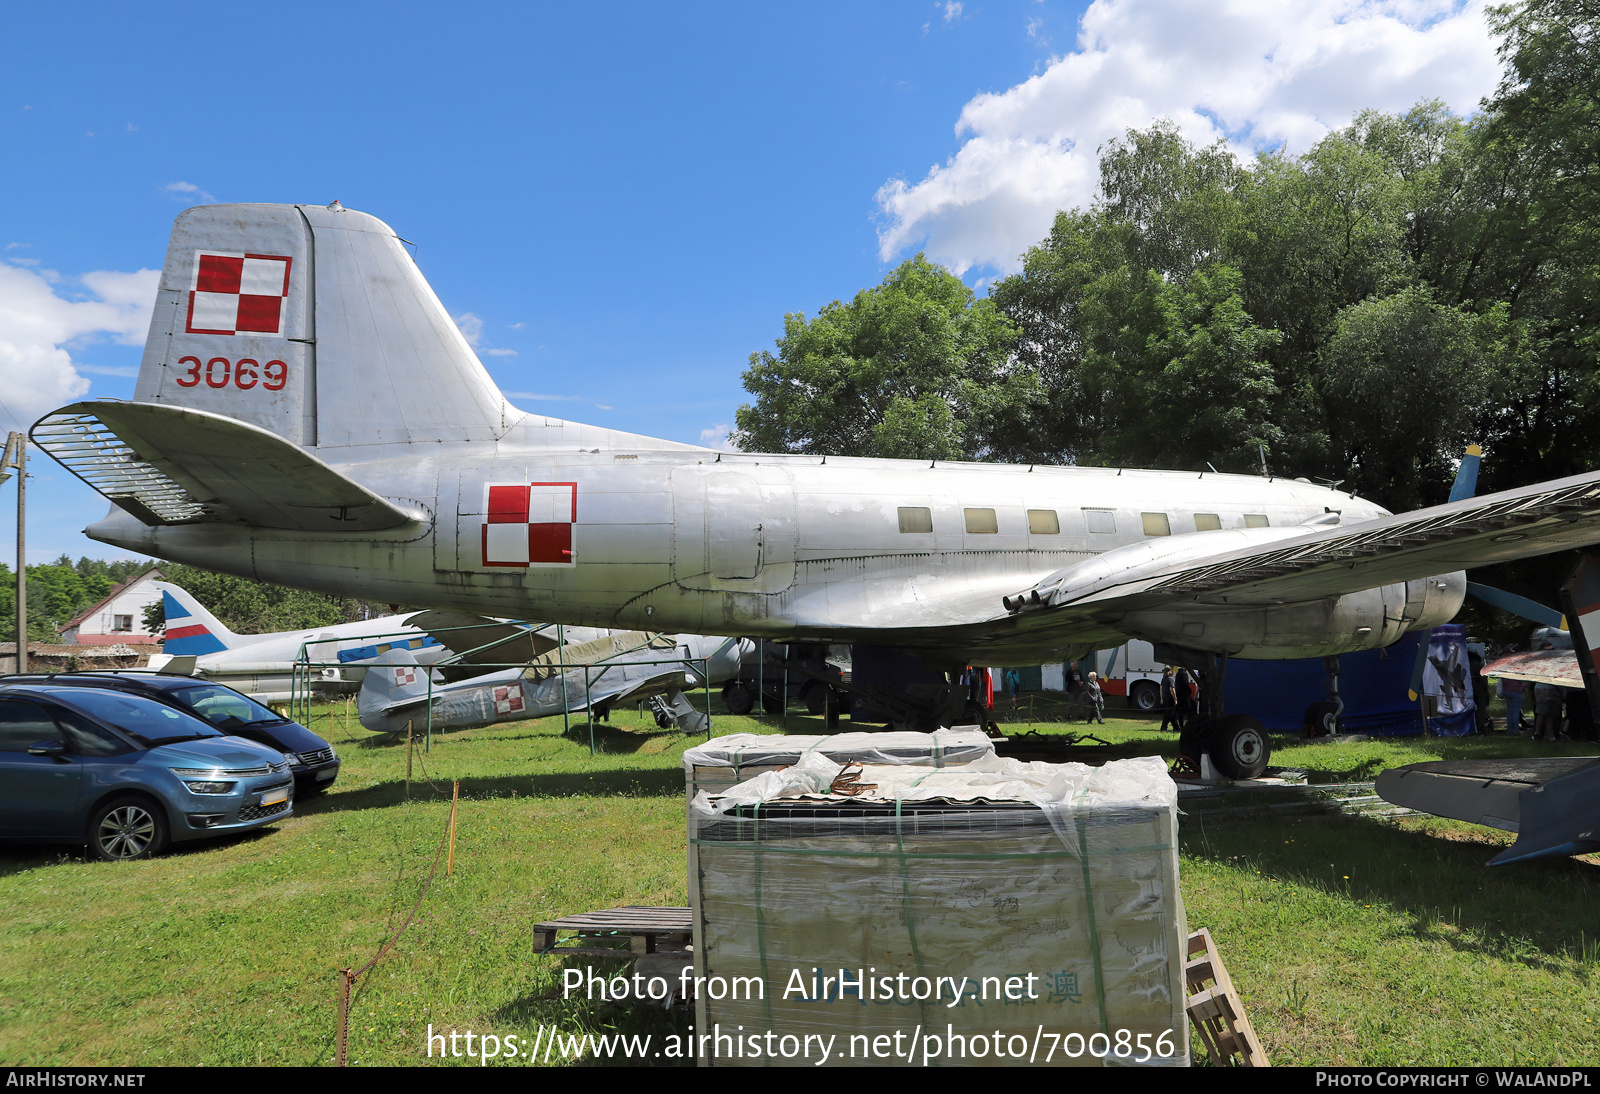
point(128, 828)
point(1146, 696)
point(1238, 746)
point(664, 720)
point(738, 698)
point(1320, 720)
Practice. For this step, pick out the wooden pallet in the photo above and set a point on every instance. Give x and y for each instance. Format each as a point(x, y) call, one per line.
point(1216, 1011)
point(646, 930)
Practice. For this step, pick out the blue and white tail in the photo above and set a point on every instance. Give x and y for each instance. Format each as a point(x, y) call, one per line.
point(191, 630)
point(312, 322)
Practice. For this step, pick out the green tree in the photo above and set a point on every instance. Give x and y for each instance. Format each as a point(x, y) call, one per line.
point(915, 367)
point(256, 607)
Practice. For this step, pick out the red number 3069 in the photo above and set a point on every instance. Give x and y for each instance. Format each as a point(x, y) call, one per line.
point(220, 372)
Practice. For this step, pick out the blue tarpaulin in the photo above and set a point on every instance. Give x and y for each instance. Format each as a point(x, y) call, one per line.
point(1373, 683)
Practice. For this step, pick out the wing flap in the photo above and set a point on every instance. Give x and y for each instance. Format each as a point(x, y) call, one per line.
point(176, 465)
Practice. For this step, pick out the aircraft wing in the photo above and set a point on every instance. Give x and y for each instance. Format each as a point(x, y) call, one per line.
point(1559, 667)
point(1331, 561)
point(481, 640)
point(167, 464)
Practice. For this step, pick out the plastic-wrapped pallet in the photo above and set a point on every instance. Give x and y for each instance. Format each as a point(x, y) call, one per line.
point(720, 763)
point(993, 913)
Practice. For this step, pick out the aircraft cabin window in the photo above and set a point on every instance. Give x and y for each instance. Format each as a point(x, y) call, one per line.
point(1207, 522)
point(1044, 522)
point(916, 518)
point(1255, 520)
point(1100, 520)
point(981, 521)
point(1156, 524)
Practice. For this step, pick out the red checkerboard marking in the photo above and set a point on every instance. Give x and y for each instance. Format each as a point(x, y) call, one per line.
point(529, 525)
point(238, 293)
point(508, 700)
point(402, 677)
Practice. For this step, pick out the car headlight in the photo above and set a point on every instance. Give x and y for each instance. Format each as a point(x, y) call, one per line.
point(207, 787)
point(294, 758)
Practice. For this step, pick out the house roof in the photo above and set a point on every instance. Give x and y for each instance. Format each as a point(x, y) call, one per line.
point(153, 572)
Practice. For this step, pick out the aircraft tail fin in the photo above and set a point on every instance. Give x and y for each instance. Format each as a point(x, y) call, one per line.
point(312, 322)
point(191, 629)
point(394, 682)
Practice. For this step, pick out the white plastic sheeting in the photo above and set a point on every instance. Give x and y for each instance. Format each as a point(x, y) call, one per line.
point(939, 890)
point(720, 763)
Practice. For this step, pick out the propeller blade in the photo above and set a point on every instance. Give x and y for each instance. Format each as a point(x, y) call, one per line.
point(1467, 474)
point(1416, 669)
point(1517, 605)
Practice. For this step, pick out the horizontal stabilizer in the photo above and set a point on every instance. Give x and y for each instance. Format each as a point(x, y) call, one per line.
point(1551, 803)
point(175, 465)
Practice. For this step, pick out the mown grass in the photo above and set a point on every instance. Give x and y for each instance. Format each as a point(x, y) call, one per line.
point(1353, 940)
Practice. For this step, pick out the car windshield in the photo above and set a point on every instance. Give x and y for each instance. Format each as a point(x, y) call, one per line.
point(224, 707)
point(150, 722)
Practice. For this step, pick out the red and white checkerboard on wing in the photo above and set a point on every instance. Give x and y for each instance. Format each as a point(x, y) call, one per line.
point(529, 524)
point(238, 293)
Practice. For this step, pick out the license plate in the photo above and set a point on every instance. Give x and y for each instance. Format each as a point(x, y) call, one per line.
point(274, 797)
point(328, 774)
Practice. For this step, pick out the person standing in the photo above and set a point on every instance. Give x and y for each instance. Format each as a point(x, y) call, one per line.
point(1512, 690)
point(1169, 701)
point(1097, 699)
point(1013, 685)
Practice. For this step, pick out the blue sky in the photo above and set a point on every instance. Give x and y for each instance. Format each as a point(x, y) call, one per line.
point(623, 202)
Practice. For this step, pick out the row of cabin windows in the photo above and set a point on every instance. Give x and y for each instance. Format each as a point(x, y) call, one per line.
point(1045, 522)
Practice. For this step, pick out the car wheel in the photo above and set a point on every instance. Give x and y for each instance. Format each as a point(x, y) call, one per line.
point(1239, 747)
point(815, 697)
point(738, 699)
point(124, 829)
point(1146, 696)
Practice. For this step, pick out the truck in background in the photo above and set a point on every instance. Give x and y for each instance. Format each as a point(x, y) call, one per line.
point(1129, 670)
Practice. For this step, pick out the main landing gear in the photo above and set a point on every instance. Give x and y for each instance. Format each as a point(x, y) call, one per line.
point(1236, 743)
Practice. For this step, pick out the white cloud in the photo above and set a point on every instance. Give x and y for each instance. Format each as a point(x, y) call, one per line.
point(471, 327)
point(952, 11)
point(541, 397)
point(38, 328)
point(189, 192)
point(717, 437)
point(1259, 73)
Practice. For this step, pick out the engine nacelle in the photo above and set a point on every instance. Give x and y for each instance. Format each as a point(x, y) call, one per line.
point(1362, 620)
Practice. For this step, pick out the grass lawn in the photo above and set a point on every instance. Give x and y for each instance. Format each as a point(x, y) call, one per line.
point(1353, 940)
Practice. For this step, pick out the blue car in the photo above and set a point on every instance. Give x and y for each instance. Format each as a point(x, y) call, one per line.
point(312, 760)
point(126, 775)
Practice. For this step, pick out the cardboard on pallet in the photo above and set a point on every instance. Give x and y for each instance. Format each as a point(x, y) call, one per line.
point(1057, 881)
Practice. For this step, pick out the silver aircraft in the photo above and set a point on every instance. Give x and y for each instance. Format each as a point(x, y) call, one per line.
point(307, 413)
point(608, 670)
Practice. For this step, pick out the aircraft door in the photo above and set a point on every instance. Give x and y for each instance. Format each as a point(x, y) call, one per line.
point(716, 518)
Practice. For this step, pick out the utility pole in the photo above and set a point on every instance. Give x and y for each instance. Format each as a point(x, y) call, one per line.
point(16, 458)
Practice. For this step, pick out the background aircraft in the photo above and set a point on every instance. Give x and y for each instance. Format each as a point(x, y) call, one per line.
point(263, 665)
point(307, 413)
point(596, 675)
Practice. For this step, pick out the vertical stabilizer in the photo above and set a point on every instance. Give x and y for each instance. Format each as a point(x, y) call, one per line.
point(191, 630)
point(314, 323)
